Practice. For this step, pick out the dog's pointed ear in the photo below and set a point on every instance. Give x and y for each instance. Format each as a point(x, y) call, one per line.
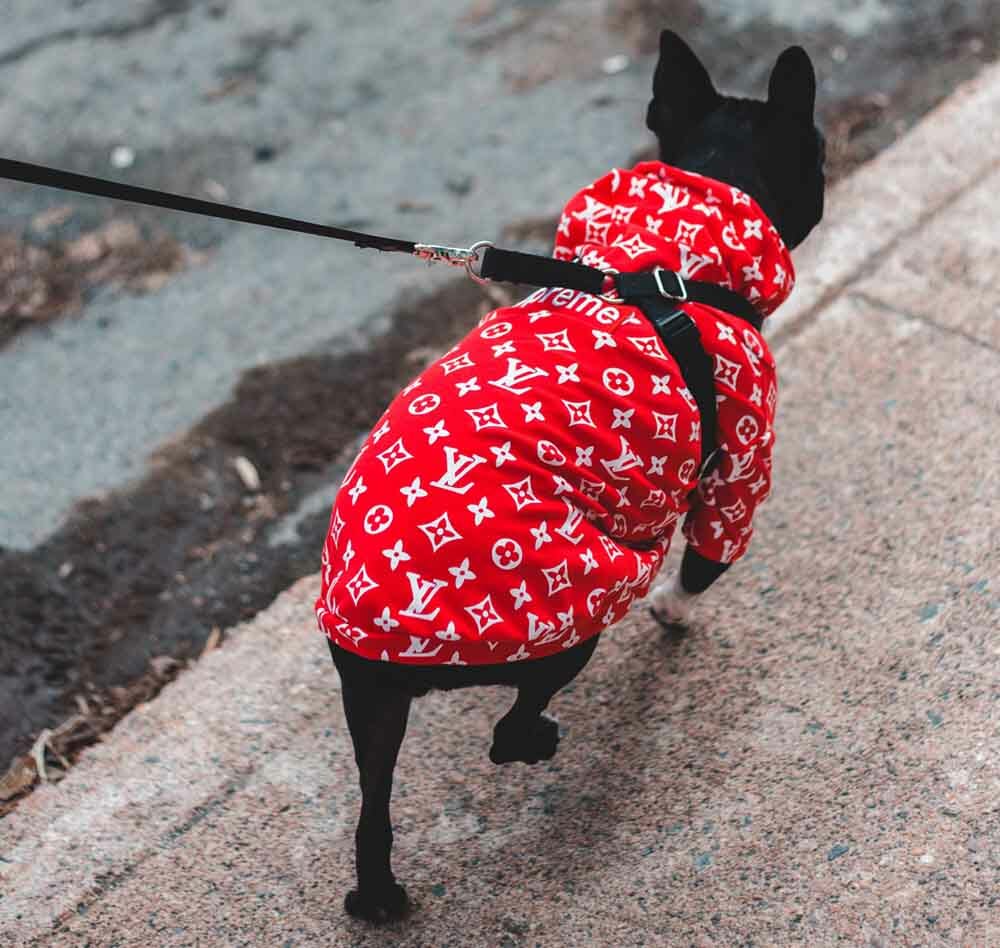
point(792, 87)
point(683, 93)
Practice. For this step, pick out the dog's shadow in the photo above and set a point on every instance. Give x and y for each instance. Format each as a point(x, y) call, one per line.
point(621, 785)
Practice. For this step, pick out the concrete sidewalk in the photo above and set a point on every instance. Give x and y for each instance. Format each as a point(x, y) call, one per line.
point(817, 763)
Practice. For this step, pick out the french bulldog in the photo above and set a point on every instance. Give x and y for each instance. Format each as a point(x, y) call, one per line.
point(518, 496)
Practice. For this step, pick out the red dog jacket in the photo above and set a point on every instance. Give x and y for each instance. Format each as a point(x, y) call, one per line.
point(517, 496)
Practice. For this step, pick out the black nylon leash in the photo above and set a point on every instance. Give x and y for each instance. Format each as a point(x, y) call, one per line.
point(507, 266)
point(84, 184)
point(656, 293)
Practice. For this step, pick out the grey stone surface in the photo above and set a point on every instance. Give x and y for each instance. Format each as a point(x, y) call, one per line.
point(816, 763)
point(479, 112)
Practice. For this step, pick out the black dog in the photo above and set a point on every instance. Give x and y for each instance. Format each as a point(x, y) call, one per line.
point(773, 152)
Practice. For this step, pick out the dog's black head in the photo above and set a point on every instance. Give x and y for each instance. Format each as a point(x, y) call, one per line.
point(772, 150)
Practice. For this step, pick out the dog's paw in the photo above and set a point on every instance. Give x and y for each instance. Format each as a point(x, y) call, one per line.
point(538, 742)
point(668, 623)
point(670, 606)
point(388, 903)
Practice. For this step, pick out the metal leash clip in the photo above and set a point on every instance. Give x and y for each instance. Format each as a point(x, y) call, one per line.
point(455, 256)
point(611, 296)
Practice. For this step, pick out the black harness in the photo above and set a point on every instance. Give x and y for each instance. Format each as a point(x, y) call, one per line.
point(656, 293)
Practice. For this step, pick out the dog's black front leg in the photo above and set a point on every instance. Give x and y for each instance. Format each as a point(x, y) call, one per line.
point(377, 718)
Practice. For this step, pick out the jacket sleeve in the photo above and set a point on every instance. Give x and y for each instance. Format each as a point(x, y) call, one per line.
point(720, 522)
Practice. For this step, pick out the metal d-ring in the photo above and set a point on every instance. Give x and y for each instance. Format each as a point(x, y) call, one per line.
point(474, 257)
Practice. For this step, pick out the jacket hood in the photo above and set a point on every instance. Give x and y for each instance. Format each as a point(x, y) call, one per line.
point(655, 215)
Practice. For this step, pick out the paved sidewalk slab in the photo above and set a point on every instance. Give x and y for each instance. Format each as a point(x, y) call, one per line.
point(816, 763)
point(947, 273)
point(882, 203)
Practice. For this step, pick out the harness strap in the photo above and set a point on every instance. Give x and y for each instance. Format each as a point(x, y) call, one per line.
point(666, 284)
point(683, 341)
point(509, 266)
point(656, 294)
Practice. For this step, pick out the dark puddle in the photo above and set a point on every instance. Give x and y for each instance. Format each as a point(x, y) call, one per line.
point(96, 619)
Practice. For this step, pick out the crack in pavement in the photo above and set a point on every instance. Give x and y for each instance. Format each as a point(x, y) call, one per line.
point(160, 10)
point(879, 303)
point(875, 258)
point(105, 882)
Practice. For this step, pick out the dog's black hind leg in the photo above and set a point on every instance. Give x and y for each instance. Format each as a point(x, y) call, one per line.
point(525, 733)
point(376, 716)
